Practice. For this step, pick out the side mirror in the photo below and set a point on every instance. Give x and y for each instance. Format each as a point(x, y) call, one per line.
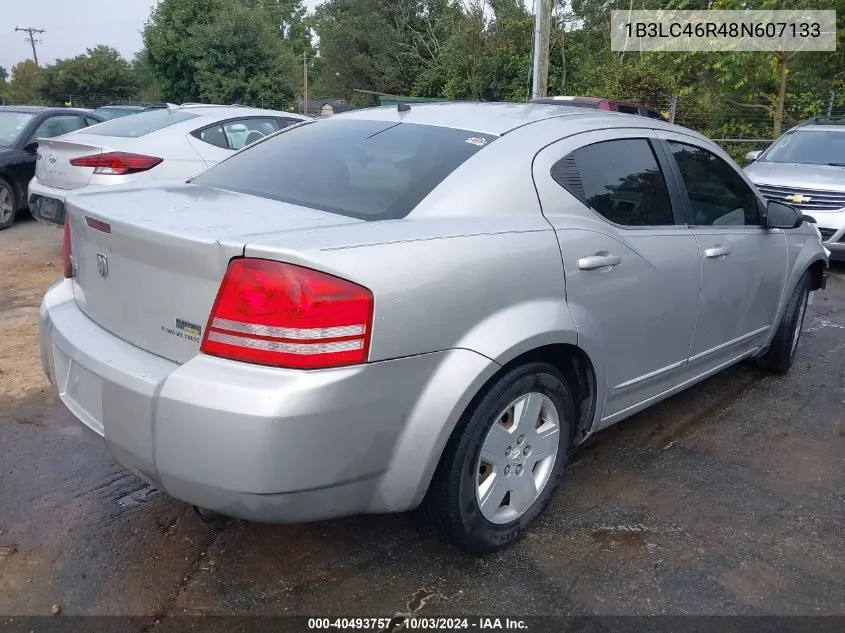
point(752, 156)
point(31, 147)
point(782, 216)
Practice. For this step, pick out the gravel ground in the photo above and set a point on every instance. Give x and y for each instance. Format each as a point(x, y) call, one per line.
point(726, 499)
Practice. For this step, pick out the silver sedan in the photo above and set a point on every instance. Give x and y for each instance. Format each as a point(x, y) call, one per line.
point(426, 306)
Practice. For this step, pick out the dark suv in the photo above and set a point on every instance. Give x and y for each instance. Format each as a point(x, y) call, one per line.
point(604, 104)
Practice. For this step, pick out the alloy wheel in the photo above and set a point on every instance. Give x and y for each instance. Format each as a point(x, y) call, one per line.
point(7, 204)
point(517, 458)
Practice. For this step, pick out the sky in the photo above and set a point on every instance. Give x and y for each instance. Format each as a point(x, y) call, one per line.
point(71, 26)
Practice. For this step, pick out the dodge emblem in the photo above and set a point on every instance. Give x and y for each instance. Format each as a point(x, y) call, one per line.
point(102, 265)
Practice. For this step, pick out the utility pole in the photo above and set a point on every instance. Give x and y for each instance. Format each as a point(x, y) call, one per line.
point(542, 25)
point(305, 83)
point(30, 31)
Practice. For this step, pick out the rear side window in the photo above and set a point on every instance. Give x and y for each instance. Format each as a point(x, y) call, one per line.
point(141, 123)
point(620, 180)
point(627, 109)
point(373, 170)
point(238, 133)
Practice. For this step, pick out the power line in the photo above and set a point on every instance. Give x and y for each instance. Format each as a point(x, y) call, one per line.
point(30, 30)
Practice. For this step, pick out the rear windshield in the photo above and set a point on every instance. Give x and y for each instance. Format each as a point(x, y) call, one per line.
point(373, 170)
point(140, 124)
point(111, 113)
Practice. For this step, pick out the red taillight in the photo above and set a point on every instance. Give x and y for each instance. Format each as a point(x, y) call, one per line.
point(66, 251)
point(117, 163)
point(278, 314)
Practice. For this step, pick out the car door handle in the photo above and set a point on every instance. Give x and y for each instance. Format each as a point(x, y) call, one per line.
point(599, 261)
point(717, 251)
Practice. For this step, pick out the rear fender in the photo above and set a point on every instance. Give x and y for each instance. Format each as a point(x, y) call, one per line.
point(483, 351)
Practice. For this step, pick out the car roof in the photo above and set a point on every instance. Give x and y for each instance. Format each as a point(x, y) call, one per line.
point(39, 109)
point(487, 118)
point(224, 111)
point(22, 108)
point(490, 118)
point(563, 98)
point(827, 127)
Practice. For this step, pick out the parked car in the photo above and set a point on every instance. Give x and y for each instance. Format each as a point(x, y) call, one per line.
point(806, 168)
point(20, 126)
point(116, 110)
point(423, 305)
point(176, 142)
point(611, 105)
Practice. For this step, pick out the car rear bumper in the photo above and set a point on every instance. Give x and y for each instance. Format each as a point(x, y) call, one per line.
point(36, 190)
point(254, 442)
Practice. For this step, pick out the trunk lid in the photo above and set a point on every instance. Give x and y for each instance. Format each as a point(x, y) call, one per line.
point(52, 165)
point(149, 259)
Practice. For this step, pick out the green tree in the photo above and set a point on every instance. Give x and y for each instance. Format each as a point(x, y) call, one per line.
point(148, 87)
point(360, 47)
point(99, 75)
point(486, 56)
point(22, 87)
point(225, 50)
point(173, 44)
point(245, 59)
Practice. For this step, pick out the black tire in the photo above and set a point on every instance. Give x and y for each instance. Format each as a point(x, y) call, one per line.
point(7, 189)
point(451, 502)
point(781, 354)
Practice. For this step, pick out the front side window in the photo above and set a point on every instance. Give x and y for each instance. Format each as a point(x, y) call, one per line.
point(620, 180)
point(717, 193)
point(373, 170)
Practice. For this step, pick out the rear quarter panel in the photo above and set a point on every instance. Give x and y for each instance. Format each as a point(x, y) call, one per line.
point(475, 266)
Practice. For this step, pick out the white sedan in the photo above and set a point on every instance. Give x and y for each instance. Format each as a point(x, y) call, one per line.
point(177, 142)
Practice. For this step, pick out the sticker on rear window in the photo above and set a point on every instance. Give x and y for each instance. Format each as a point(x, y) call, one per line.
point(481, 142)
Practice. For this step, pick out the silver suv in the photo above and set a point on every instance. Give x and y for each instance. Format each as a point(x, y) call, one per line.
point(806, 168)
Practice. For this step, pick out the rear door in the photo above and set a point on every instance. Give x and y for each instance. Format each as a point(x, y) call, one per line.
point(744, 265)
point(631, 265)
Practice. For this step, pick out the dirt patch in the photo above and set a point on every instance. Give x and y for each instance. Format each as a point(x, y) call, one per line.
point(30, 256)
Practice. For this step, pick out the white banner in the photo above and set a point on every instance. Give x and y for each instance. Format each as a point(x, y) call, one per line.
point(673, 31)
